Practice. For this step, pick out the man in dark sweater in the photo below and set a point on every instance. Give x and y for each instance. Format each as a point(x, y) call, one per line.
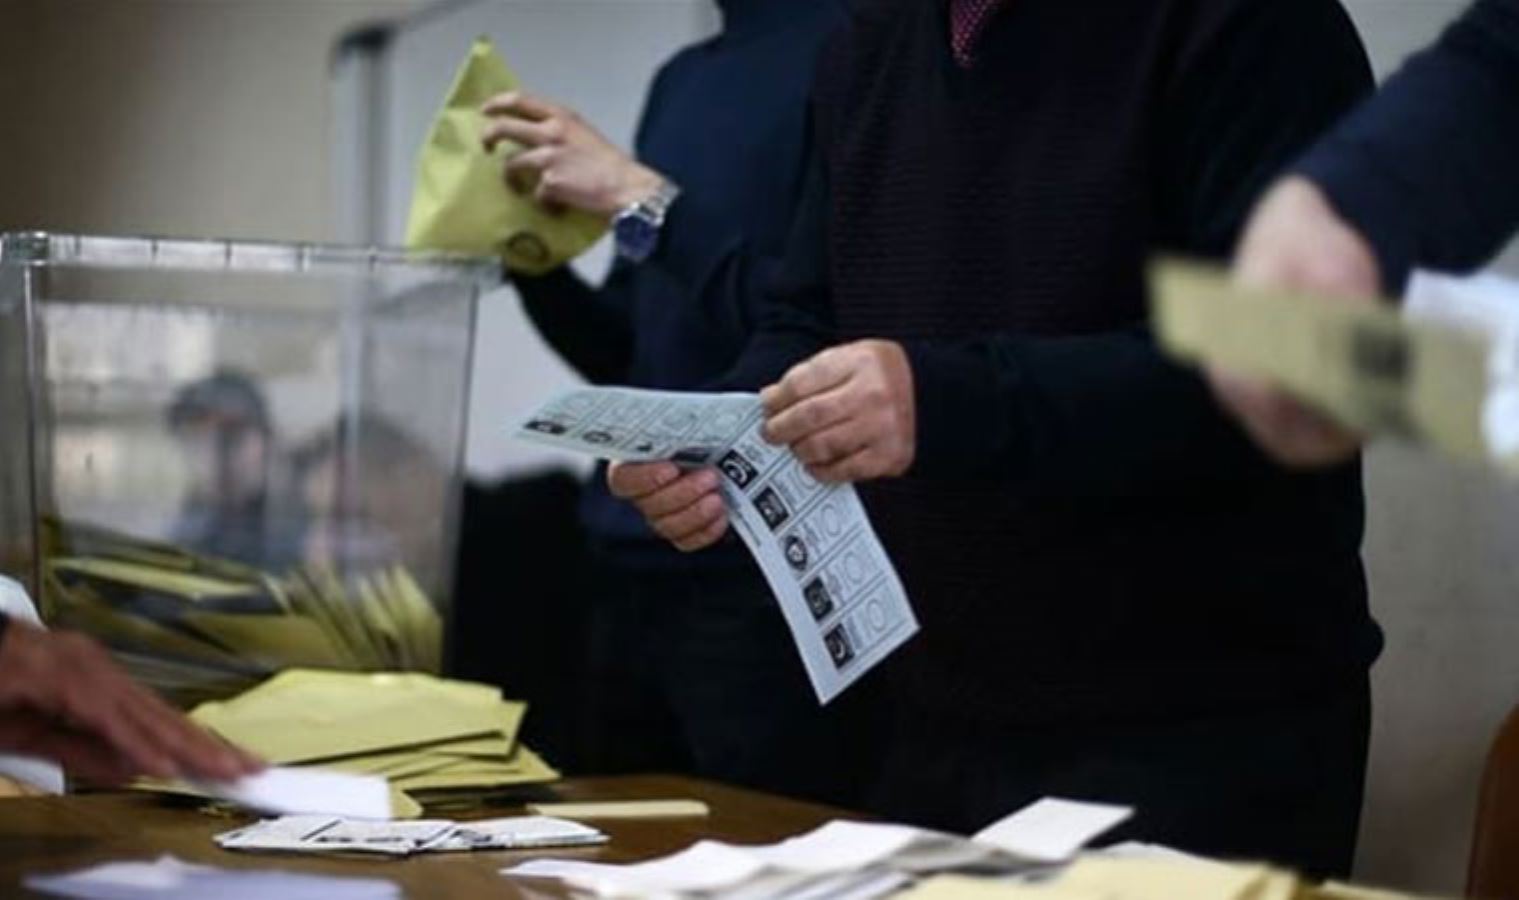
point(1422, 175)
point(697, 671)
point(1120, 598)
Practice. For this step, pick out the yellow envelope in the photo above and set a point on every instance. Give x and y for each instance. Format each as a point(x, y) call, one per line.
point(461, 202)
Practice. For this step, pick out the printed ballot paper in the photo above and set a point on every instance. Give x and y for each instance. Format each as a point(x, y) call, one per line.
point(326, 834)
point(836, 587)
point(842, 859)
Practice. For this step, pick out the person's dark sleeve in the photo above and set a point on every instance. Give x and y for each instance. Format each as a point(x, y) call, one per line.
point(1106, 414)
point(590, 328)
point(1428, 170)
point(790, 296)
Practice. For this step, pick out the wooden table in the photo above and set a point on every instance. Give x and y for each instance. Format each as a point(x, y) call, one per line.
point(61, 834)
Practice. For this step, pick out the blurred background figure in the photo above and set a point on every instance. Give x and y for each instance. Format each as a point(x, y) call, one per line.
point(237, 499)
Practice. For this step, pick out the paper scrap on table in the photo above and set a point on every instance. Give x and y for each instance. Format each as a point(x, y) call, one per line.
point(857, 855)
point(461, 202)
point(624, 809)
point(840, 595)
point(1053, 829)
point(327, 834)
point(289, 791)
point(167, 878)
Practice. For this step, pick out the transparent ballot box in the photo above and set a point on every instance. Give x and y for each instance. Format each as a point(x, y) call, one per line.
point(226, 459)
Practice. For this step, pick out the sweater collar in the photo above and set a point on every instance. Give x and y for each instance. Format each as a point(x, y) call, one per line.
point(744, 17)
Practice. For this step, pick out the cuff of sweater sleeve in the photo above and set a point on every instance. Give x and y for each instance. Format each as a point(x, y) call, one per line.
point(955, 397)
point(1368, 200)
point(692, 241)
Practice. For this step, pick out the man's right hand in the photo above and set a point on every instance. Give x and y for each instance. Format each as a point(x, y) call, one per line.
point(683, 507)
point(564, 161)
point(1295, 240)
point(62, 698)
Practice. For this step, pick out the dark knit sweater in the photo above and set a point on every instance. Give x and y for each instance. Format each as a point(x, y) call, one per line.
point(1083, 533)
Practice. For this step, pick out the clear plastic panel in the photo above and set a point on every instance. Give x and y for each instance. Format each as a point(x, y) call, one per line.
point(240, 456)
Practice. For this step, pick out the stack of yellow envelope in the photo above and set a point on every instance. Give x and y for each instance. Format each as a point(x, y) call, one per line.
point(198, 628)
point(433, 739)
point(1104, 878)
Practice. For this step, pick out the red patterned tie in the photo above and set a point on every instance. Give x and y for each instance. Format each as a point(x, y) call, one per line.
point(967, 20)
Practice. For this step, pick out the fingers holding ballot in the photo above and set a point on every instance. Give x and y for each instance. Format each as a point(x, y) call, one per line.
point(683, 507)
point(62, 698)
point(564, 163)
point(1295, 240)
point(848, 413)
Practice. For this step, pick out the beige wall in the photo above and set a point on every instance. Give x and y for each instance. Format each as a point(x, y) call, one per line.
point(184, 117)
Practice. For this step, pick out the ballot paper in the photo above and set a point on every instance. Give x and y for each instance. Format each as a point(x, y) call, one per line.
point(840, 595)
point(327, 834)
point(286, 791)
point(1443, 371)
point(462, 202)
point(167, 878)
point(1107, 878)
point(840, 855)
point(430, 740)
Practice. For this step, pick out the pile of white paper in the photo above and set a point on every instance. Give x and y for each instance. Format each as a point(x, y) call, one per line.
point(841, 597)
point(325, 834)
point(843, 859)
point(168, 878)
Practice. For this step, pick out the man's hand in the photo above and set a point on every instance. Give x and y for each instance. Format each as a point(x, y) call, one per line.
point(62, 698)
point(564, 161)
point(1296, 241)
point(685, 508)
point(848, 413)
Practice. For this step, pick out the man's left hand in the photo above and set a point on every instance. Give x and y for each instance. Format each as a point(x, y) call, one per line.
point(848, 413)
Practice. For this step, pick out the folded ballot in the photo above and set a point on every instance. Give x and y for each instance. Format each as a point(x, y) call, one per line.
point(1443, 370)
point(461, 202)
point(837, 589)
point(429, 739)
point(326, 834)
point(853, 859)
point(198, 628)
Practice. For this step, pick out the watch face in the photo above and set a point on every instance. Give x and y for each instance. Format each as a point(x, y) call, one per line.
point(635, 236)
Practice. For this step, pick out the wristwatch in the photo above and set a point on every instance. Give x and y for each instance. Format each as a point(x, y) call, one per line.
point(636, 229)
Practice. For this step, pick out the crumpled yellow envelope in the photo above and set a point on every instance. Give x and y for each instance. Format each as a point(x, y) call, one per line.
point(461, 202)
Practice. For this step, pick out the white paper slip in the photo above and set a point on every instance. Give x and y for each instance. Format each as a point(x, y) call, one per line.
point(290, 791)
point(704, 867)
point(837, 589)
point(1052, 830)
point(168, 878)
point(517, 833)
point(327, 834)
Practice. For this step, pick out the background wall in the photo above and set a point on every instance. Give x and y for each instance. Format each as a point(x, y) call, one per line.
point(1439, 549)
point(186, 117)
point(212, 117)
